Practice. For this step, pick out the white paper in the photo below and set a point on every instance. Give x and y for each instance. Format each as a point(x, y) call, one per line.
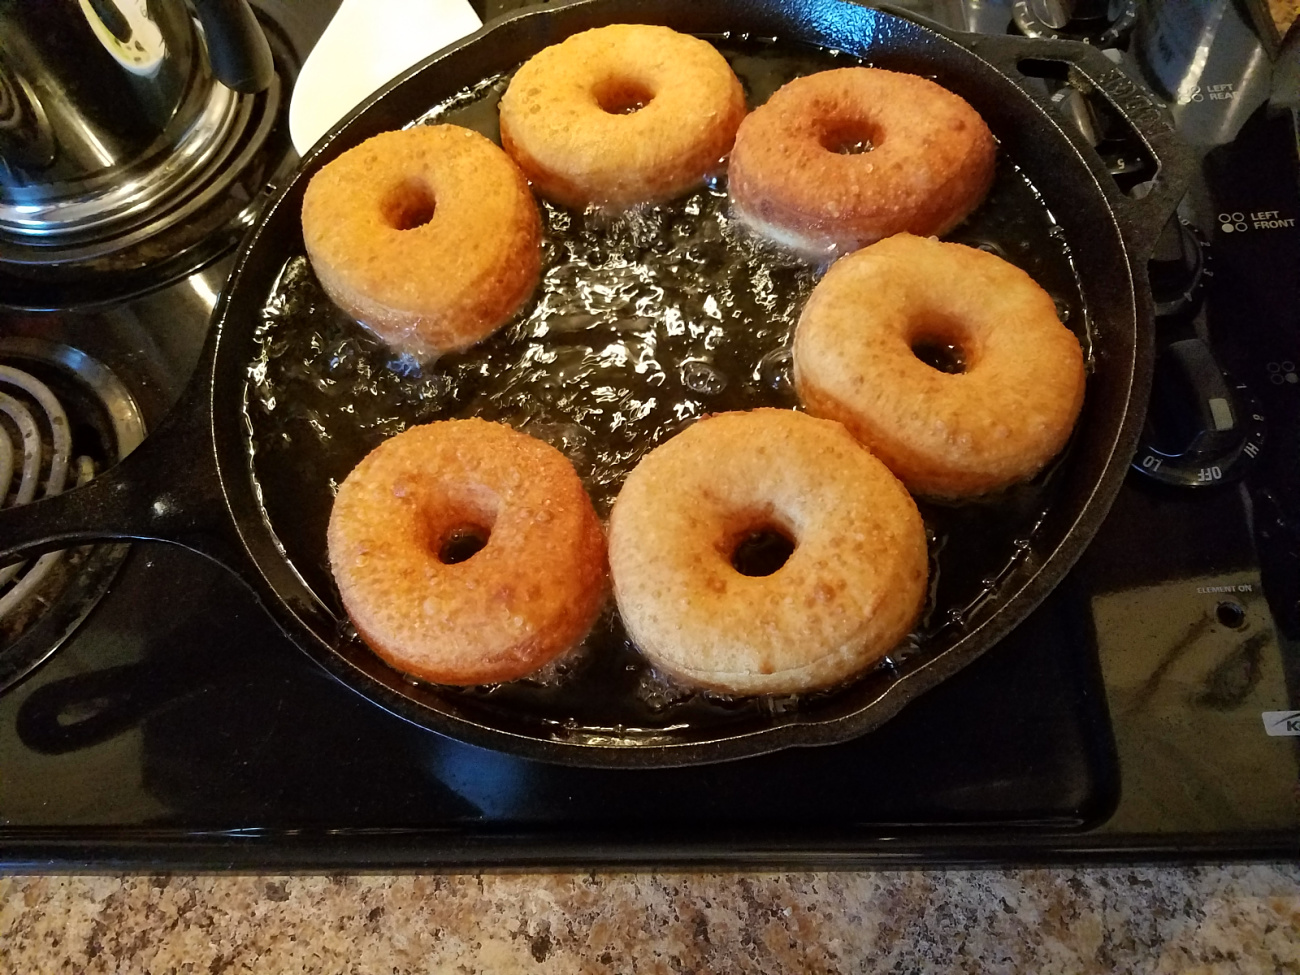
point(367, 44)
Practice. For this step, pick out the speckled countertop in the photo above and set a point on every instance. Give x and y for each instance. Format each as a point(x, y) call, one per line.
point(1206, 919)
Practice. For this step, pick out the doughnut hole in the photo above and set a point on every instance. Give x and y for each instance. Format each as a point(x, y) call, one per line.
point(942, 344)
point(463, 543)
point(458, 528)
point(848, 136)
point(407, 205)
point(623, 96)
point(760, 548)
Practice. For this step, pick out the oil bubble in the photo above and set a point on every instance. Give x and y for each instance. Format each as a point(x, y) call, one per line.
point(700, 377)
point(775, 371)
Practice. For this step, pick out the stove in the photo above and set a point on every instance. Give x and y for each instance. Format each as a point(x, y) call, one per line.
point(152, 716)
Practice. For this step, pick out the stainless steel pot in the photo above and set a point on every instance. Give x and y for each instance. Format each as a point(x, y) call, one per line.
point(107, 105)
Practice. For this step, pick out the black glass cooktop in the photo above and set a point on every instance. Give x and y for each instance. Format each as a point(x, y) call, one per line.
point(207, 722)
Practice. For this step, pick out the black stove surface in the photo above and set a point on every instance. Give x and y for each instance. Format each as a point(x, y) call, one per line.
point(1128, 717)
point(213, 724)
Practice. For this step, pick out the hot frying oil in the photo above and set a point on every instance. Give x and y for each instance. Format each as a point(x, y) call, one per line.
point(642, 323)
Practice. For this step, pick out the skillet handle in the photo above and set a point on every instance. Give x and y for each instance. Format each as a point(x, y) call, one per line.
point(1141, 218)
point(167, 489)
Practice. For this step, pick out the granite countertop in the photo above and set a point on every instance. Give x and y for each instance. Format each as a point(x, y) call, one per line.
point(1203, 919)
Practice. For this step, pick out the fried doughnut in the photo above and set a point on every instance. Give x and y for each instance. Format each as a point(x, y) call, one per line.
point(620, 115)
point(1014, 389)
point(850, 590)
point(428, 235)
point(402, 539)
point(836, 160)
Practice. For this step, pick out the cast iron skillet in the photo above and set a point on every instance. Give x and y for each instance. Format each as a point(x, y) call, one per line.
point(192, 481)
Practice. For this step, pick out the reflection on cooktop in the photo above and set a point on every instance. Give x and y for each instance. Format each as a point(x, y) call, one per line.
point(213, 721)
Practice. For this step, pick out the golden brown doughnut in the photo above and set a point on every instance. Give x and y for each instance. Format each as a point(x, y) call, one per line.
point(620, 115)
point(797, 176)
point(530, 593)
point(852, 588)
point(998, 421)
point(428, 235)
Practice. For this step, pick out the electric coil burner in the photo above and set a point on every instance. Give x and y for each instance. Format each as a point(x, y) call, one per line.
point(151, 716)
point(107, 293)
point(66, 417)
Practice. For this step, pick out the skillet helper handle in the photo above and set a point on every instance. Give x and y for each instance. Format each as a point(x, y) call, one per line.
point(167, 489)
point(1141, 218)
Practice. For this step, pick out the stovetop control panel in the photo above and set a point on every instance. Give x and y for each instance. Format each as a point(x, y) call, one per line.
point(1254, 320)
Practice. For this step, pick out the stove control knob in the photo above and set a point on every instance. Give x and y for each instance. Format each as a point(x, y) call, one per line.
point(1176, 268)
point(1202, 428)
point(1102, 23)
